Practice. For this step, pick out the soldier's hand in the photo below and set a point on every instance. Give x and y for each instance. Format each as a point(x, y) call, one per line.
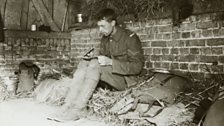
point(103, 60)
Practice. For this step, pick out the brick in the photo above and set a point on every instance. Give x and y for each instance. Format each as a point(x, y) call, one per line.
point(215, 42)
point(187, 26)
point(217, 50)
point(186, 34)
point(165, 28)
point(195, 42)
point(174, 51)
point(184, 66)
point(165, 65)
point(168, 57)
point(209, 59)
point(148, 64)
point(218, 32)
point(158, 43)
point(175, 43)
point(187, 58)
point(157, 51)
point(194, 67)
point(207, 33)
point(155, 29)
point(165, 51)
point(196, 34)
point(176, 35)
point(184, 51)
point(157, 64)
point(149, 30)
point(158, 36)
point(194, 51)
point(206, 25)
point(221, 59)
point(174, 66)
point(156, 58)
point(166, 36)
point(205, 51)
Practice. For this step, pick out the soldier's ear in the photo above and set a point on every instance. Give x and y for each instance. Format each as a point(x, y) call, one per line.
point(113, 22)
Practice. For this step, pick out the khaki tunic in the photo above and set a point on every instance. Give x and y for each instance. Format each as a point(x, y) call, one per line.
point(125, 50)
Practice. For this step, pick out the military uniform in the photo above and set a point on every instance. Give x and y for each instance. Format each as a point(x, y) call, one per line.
point(124, 48)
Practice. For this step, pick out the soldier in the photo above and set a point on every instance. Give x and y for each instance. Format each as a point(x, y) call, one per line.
point(119, 63)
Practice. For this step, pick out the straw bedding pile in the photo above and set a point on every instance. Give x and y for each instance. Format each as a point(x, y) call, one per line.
point(181, 113)
point(3, 91)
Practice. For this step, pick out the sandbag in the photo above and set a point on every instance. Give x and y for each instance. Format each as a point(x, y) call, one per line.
point(163, 87)
point(215, 115)
point(52, 91)
point(28, 72)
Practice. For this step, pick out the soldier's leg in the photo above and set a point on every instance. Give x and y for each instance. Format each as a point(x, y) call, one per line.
point(114, 80)
point(89, 84)
point(78, 97)
point(76, 83)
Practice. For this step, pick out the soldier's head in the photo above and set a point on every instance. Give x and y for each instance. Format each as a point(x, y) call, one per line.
point(106, 21)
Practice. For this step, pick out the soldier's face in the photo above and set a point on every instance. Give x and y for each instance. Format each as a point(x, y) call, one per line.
point(105, 27)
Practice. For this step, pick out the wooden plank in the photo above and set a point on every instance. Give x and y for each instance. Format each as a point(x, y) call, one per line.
point(45, 15)
point(24, 14)
point(50, 7)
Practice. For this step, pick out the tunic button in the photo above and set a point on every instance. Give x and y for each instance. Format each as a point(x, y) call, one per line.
point(110, 40)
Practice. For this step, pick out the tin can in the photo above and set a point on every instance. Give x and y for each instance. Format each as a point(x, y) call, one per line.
point(33, 27)
point(79, 18)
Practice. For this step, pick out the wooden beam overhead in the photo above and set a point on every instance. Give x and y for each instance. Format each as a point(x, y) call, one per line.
point(45, 15)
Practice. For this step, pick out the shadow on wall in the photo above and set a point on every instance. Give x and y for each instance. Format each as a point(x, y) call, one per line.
point(181, 9)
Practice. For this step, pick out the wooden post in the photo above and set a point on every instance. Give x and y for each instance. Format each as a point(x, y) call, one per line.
point(24, 14)
point(45, 15)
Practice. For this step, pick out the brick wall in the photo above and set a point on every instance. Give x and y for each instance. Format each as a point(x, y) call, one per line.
point(193, 47)
point(47, 50)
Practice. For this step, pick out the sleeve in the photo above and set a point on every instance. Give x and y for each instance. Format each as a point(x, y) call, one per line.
point(135, 59)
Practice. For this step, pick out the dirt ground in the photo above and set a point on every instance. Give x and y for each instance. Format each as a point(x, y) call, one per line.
point(26, 112)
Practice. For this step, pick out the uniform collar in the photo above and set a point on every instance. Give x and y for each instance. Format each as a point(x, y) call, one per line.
point(117, 34)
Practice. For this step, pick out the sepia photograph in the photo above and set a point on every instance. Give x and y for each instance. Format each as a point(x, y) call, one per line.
point(111, 63)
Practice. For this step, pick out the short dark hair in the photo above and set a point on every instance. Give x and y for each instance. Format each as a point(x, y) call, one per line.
point(106, 14)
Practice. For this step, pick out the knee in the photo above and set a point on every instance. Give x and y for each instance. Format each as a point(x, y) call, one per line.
point(83, 64)
point(94, 63)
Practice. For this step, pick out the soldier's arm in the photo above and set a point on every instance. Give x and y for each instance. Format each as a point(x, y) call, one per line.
point(135, 60)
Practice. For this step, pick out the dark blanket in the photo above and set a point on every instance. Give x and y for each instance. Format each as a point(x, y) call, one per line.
point(1, 29)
